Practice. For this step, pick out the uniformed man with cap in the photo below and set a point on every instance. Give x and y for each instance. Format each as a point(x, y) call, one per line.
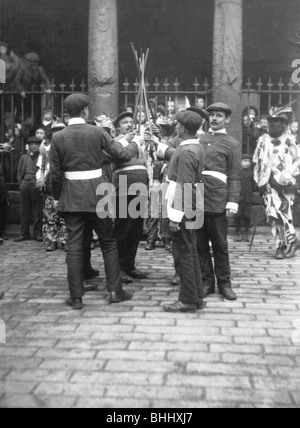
point(222, 177)
point(76, 156)
point(30, 195)
point(184, 174)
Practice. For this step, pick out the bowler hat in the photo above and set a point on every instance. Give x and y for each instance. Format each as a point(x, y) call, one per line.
point(220, 107)
point(190, 120)
point(122, 116)
point(34, 140)
point(75, 103)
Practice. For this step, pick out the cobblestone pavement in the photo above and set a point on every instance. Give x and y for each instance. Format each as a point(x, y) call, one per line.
point(241, 354)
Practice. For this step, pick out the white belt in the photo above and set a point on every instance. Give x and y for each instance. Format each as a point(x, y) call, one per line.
point(131, 168)
point(83, 175)
point(216, 174)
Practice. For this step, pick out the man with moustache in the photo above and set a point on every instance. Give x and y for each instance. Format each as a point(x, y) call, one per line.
point(129, 230)
point(277, 164)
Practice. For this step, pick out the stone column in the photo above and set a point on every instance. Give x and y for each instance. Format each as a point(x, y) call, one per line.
point(103, 57)
point(228, 60)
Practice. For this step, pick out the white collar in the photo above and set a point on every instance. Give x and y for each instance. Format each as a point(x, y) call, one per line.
point(190, 142)
point(77, 121)
point(221, 131)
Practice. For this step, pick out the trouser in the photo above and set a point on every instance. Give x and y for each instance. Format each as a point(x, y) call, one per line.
point(87, 253)
point(215, 230)
point(31, 209)
point(243, 217)
point(3, 217)
point(129, 233)
point(77, 224)
point(153, 229)
point(187, 265)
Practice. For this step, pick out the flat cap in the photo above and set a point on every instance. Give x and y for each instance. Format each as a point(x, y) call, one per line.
point(76, 102)
point(122, 116)
point(220, 107)
point(190, 120)
point(32, 57)
point(202, 113)
point(3, 44)
point(34, 140)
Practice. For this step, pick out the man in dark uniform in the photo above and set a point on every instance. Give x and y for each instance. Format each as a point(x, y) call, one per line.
point(184, 174)
point(76, 156)
point(129, 230)
point(222, 177)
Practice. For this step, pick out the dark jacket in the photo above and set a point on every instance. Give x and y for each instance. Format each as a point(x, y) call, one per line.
point(28, 77)
point(3, 192)
point(80, 148)
point(222, 154)
point(248, 186)
point(27, 168)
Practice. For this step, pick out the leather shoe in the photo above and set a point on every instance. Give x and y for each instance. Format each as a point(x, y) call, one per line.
point(175, 280)
point(179, 307)
point(125, 278)
point(124, 296)
point(75, 304)
point(51, 248)
point(167, 244)
point(1, 296)
point(293, 250)
point(91, 274)
point(200, 305)
point(150, 246)
point(137, 274)
point(239, 237)
point(22, 238)
point(89, 288)
point(228, 294)
point(208, 291)
point(280, 254)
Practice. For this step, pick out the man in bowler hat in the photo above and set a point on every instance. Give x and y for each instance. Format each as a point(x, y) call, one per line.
point(76, 156)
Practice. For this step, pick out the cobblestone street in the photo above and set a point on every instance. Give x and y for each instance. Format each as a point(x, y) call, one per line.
point(241, 354)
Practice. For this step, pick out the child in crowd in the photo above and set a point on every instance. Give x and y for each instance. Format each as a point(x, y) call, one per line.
point(30, 196)
point(243, 218)
point(295, 131)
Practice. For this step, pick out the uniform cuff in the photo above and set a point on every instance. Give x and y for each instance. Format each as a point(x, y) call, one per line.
point(124, 142)
point(161, 150)
point(175, 215)
point(232, 206)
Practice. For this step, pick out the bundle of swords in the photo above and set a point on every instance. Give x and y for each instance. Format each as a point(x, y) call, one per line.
point(142, 103)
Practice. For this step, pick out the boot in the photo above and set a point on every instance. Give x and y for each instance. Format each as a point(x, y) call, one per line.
point(176, 280)
point(280, 254)
point(293, 250)
point(167, 244)
point(246, 237)
point(239, 237)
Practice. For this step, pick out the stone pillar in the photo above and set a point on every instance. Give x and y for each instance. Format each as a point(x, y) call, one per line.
point(228, 60)
point(103, 57)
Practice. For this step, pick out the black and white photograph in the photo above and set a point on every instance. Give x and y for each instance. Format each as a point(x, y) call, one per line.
point(149, 206)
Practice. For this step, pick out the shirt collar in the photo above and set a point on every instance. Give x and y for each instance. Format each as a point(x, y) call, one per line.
point(77, 121)
point(221, 131)
point(190, 142)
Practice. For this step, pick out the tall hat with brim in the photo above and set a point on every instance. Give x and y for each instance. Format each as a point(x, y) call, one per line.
point(75, 103)
point(202, 113)
point(220, 107)
point(32, 57)
point(190, 120)
point(34, 140)
point(122, 116)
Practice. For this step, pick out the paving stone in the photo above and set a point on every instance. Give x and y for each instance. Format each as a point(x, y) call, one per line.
point(243, 354)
